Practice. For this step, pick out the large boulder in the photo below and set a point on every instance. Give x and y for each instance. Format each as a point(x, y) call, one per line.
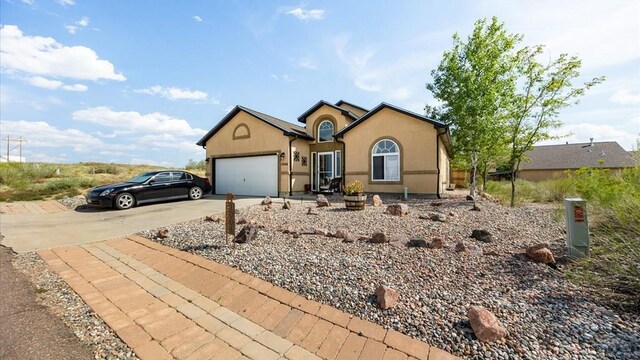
point(378, 238)
point(247, 234)
point(322, 201)
point(541, 253)
point(163, 233)
point(266, 201)
point(287, 205)
point(376, 201)
point(482, 235)
point(485, 325)
point(397, 209)
point(386, 297)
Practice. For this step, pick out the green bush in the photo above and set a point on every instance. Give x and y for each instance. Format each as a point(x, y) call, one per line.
point(196, 165)
point(99, 168)
point(16, 173)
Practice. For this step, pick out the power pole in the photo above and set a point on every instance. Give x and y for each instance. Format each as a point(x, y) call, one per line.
point(20, 141)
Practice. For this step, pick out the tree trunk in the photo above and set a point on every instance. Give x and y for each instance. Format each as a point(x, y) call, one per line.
point(474, 168)
point(513, 188)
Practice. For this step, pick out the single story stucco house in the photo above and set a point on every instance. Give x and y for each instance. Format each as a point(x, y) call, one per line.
point(387, 148)
point(547, 162)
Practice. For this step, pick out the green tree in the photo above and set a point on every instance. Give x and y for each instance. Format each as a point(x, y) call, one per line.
point(535, 105)
point(474, 82)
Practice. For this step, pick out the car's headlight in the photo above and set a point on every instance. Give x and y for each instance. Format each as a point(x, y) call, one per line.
point(106, 192)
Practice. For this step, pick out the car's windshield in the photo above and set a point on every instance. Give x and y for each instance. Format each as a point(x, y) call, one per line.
point(141, 178)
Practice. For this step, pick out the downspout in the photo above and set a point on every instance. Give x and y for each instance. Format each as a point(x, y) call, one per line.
point(343, 162)
point(438, 161)
point(291, 167)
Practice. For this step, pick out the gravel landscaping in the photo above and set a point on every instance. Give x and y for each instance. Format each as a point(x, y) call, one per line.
point(54, 293)
point(545, 315)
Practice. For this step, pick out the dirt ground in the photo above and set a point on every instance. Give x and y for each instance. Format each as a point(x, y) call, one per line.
point(27, 329)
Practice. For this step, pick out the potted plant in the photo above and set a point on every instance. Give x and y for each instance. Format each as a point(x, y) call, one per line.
point(354, 196)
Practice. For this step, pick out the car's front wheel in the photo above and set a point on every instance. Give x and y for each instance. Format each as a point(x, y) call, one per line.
point(124, 201)
point(195, 193)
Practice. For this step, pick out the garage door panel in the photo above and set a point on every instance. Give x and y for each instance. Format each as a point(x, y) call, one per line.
point(254, 175)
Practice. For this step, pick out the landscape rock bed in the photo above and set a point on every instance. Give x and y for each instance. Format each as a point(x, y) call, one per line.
point(545, 315)
point(55, 294)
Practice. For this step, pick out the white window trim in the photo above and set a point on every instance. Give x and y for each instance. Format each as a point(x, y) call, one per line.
point(384, 156)
point(332, 126)
point(337, 172)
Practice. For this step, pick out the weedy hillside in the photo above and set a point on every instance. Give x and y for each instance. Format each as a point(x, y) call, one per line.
point(613, 202)
point(39, 181)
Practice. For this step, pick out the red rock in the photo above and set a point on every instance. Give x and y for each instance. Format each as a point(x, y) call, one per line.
point(379, 238)
point(163, 233)
point(485, 325)
point(386, 297)
point(541, 253)
point(397, 209)
point(437, 243)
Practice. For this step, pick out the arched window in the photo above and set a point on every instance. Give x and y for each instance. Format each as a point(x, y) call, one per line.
point(325, 131)
point(385, 161)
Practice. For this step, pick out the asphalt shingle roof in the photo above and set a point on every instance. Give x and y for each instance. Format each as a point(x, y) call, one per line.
point(574, 156)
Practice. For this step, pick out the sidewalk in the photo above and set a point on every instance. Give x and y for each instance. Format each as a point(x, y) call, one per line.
point(23, 319)
point(167, 304)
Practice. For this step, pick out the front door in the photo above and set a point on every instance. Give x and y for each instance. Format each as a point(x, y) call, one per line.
point(323, 170)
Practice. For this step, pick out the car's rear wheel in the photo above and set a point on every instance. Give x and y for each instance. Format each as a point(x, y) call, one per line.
point(195, 193)
point(124, 201)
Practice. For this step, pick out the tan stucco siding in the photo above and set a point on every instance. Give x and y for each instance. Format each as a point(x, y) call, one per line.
point(444, 166)
point(417, 142)
point(354, 110)
point(300, 172)
point(540, 175)
point(263, 139)
point(325, 113)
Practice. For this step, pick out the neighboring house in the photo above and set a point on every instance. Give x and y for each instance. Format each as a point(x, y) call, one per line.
point(387, 148)
point(552, 161)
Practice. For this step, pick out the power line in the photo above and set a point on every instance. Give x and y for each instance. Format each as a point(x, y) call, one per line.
point(20, 141)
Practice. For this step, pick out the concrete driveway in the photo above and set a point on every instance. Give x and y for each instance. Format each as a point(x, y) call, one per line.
point(29, 232)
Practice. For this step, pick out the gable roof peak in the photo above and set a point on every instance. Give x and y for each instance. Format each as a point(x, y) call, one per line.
point(303, 118)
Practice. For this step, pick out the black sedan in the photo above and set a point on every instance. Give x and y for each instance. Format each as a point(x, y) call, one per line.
point(149, 187)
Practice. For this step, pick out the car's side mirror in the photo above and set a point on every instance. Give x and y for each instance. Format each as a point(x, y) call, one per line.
point(151, 182)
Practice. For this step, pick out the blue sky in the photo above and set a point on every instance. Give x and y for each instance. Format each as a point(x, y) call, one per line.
point(142, 81)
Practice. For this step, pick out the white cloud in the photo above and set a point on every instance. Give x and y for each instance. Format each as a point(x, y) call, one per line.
point(154, 123)
point(40, 134)
point(601, 33)
point(71, 29)
point(28, 2)
point(66, 2)
point(45, 56)
point(84, 21)
point(45, 83)
point(283, 77)
point(173, 93)
point(307, 64)
point(578, 133)
point(625, 97)
point(306, 15)
point(197, 18)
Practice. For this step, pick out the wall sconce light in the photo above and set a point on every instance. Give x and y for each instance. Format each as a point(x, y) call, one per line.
point(282, 156)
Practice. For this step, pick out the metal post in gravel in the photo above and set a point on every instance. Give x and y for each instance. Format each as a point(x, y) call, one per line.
point(230, 219)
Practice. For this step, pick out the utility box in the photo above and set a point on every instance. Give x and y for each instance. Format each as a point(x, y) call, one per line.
point(575, 211)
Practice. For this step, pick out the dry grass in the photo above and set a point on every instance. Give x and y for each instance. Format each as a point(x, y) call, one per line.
point(39, 181)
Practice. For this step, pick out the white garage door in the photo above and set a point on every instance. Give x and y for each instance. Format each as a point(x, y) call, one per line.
point(254, 175)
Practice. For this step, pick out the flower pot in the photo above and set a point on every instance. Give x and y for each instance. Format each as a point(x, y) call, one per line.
point(355, 202)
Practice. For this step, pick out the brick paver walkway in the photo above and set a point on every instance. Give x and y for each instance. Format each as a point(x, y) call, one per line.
point(32, 207)
point(166, 304)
